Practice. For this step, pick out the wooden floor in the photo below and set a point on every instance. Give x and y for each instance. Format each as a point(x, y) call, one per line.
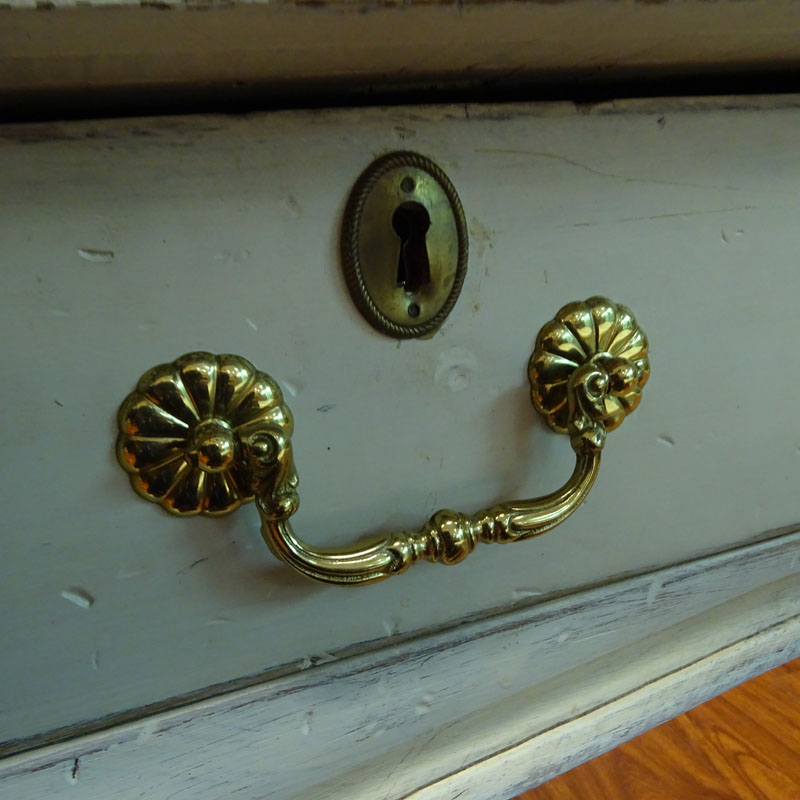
point(744, 744)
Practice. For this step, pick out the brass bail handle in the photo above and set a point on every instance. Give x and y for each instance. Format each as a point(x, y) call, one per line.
point(207, 432)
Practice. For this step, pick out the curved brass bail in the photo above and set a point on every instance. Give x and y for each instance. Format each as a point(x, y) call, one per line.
point(205, 433)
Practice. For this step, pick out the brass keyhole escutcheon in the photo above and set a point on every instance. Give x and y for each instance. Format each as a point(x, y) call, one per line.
point(404, 245)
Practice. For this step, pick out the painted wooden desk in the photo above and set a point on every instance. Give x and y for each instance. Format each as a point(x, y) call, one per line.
point(152, 656)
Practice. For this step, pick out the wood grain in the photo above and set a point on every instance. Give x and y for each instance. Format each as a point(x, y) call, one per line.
point(277, 44)
point(742, 745)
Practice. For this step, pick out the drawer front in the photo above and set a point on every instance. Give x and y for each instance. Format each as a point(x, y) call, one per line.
point(127, 243)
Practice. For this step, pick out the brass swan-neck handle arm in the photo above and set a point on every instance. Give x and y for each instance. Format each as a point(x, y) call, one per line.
point(447, 538)
point(603, 383)
point(206, 433)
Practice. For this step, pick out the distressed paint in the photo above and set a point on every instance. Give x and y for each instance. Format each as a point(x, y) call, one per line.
point(630, 200)
point(481, 711)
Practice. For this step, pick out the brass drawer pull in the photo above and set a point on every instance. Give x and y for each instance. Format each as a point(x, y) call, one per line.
point(207, 433)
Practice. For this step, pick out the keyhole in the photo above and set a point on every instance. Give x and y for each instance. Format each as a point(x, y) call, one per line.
point(411, 222)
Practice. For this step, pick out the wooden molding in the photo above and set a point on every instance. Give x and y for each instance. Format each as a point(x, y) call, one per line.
point(484, 709)
point(105, 54)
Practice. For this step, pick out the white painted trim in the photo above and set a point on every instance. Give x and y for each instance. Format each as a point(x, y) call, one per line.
point(587, 735)
point(481, 710)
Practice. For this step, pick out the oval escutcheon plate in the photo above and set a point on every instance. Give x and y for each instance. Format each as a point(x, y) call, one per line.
point(404, 245)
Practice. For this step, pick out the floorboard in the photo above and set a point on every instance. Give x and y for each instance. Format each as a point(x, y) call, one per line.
point(743, 745)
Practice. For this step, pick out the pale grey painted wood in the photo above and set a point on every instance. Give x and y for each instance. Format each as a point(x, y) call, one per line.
point(480, 711)
point(224, 237)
